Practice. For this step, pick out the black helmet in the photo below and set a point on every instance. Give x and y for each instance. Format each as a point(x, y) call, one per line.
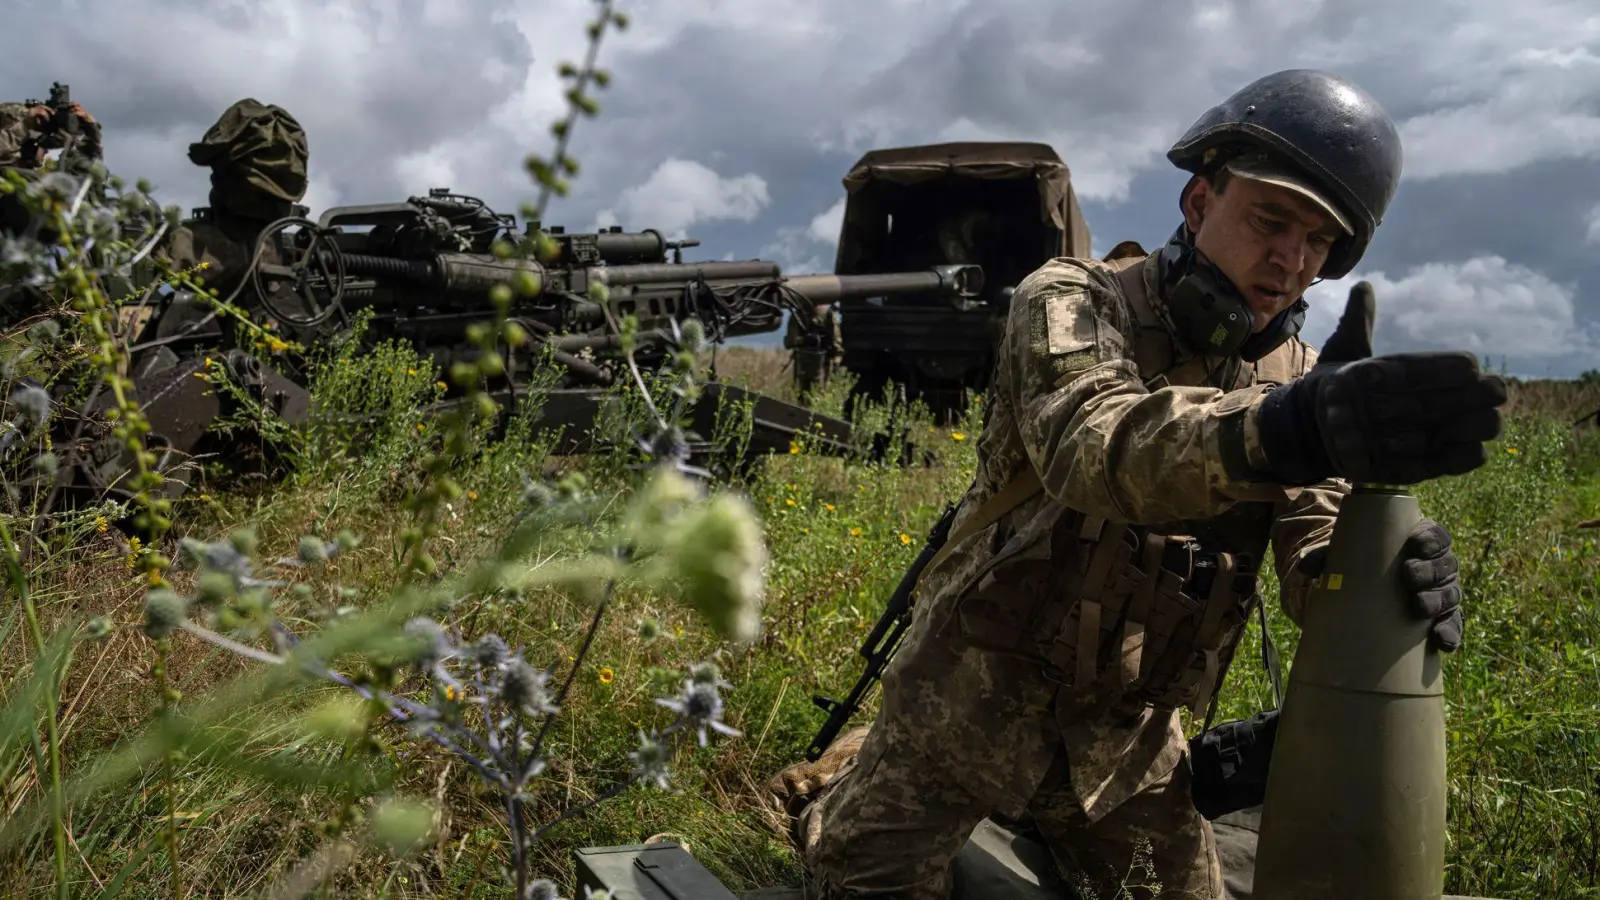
point(1334, 133)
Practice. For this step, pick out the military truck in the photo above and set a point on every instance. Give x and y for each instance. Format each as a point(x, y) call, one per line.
point(1007, 206)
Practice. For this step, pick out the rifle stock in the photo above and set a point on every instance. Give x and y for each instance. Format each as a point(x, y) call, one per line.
point(880, 644)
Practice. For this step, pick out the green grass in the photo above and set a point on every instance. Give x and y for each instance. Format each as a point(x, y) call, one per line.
point(1524, 692)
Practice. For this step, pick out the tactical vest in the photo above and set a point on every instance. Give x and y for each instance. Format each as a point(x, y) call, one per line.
point(1126, 616)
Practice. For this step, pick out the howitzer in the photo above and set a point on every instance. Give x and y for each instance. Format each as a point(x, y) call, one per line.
point(879, 646)
point(422, 271)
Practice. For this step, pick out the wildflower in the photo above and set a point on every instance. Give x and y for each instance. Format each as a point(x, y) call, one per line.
point(606, 675)
point(472, 495)
point(1513, 451)
point(650, 762)
point(957, 436)
point(905, 538)
point(453, 693)
point(420, 426)
point(788, 501)
point(828, 507)
point(855, 532)
point(276, 344)
point(524, 689)
point(164, 611)
point(441, 386)
point(794, 448)
point(701, 706)
point(411, 371)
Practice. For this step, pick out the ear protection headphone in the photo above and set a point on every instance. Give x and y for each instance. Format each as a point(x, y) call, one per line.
point(1210, 313)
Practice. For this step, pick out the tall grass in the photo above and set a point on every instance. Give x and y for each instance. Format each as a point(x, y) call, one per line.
point(275, 689)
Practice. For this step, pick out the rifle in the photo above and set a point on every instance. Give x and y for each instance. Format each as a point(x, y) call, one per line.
point(62, 129)
point(880, 645)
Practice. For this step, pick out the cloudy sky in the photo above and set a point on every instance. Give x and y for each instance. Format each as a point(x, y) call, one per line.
point(734, 120)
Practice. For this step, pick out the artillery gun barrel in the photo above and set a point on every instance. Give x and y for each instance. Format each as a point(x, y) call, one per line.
point(962, 281)
point(663, 273)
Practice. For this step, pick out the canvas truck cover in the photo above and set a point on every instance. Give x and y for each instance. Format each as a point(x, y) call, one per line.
point(965, 161)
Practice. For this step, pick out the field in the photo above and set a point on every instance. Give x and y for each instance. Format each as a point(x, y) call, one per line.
point(1524, 692)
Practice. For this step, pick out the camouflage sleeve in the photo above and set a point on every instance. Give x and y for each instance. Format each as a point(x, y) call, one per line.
point(1304, 523)
point(1101, 442)
point(13, 131)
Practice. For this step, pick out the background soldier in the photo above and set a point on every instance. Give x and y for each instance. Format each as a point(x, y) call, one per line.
point(1154, 423)
point(257, 155)
point(27, 134)
point(818, 347)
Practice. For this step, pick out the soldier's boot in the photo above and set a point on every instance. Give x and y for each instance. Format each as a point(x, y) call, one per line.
point(798, 786)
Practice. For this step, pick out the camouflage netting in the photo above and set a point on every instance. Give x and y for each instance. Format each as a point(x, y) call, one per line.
point(257, 154)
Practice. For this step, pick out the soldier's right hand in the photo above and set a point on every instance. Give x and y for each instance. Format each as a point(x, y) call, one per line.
point(1395, 419)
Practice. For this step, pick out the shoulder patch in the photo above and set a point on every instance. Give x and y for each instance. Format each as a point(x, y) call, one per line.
point(1069, 325)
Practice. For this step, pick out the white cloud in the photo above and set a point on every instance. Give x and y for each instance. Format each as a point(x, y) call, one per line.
point(824, 228)
point(681, 193)
point(1484, 305)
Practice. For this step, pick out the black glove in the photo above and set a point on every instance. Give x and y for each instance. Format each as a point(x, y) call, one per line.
point(1428, 569)
point(1395, 419)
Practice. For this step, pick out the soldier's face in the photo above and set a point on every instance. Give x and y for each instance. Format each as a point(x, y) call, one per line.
point(1270, 241)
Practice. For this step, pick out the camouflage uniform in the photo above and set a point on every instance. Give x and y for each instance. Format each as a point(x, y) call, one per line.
point(1044, 668)
point(257, 154)
point(14, 132)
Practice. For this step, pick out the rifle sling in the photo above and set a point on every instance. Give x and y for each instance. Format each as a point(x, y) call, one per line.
point(1010, 496)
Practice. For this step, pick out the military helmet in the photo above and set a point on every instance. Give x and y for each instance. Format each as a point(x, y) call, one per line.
point(256, 152)
point(1334, 136)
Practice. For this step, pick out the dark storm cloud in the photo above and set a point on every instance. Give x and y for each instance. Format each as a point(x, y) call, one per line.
point(734, 122)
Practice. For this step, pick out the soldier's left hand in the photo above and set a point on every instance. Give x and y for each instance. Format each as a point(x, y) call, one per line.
point(1428, 572)
point(1428, 569)
point(81, 113)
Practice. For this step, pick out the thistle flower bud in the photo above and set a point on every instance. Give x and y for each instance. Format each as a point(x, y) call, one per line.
point(650, 762)
point(489, 651)
point(525, 689)
point(402, 826)
point(540, 889)
point(312, 550)
point(164, 611)
point(32, 403)
point(428, 641)
point(718, 560)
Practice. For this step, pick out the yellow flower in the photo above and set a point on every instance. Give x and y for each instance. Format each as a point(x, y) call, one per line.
point(100, 524)
point(472, 495)
point(606, 675)
point(208, 362)
point(441, 386)
point(793, 448)
point(451, 692)
point(419, 426)
point(789, 501)
point(277, 345)
point(958, 436)
point(828, 507)
point(855, 532)
point(411, 371)
point(1513, 451)
point(905, 538)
